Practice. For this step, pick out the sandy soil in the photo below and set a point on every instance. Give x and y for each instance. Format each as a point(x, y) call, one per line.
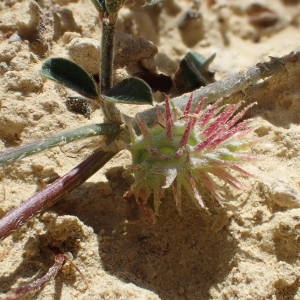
point(250, 250)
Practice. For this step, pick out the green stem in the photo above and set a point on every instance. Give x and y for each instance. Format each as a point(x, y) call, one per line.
point(111, 113)
point(57, 139)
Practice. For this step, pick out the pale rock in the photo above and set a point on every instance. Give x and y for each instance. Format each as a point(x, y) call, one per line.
point(85, 52)
point(282, 193)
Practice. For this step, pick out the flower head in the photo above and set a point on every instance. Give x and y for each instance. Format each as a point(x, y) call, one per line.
point(187, 151)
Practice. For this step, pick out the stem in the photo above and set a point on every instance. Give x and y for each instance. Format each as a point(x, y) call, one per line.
point(57, 139)
point(53, 192)
point(232, 83)
point(111, 113)
point(107, 57)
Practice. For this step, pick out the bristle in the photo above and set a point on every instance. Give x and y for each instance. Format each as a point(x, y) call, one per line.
point(169, 119)
point(196, 192)
point(159, 115)
point(228, 134)
point(240, 170)
point(200, 105)
point(188, 105)
point(189, 127)
point(211, 186)
point(202, 145)
point(176, 190)
point(191, 122)
point(206, 117)
point(220, 122)
point(226, 177)
point(239, 115)
point(143, 127)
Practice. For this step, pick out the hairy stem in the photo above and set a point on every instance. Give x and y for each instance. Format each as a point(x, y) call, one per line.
point(232, 83)
point(57, 139)
point(111, 113)
point(107, 44)
point(53, 192)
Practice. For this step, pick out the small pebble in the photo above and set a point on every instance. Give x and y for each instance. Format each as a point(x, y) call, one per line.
point(261, 16)
point(191, 27)
point(85, 52)
point(282, 193)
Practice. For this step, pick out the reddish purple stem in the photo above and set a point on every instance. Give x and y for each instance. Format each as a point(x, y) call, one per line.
point(53, 192)
point(38, 283)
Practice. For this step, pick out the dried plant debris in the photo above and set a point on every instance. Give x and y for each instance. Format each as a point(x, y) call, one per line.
point(158, 82)
point(37, 284)
point(193, 72)
point(64, 21)
point(131, 49)
point(39, 30)
point(191, 27)
point(261, 16)
point(79, 105)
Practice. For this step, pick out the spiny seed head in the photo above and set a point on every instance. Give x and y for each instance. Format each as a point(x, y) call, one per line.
point(188, 151)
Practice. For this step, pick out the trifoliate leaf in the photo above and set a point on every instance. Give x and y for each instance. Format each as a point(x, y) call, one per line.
point(130, 91)
point(71, 75)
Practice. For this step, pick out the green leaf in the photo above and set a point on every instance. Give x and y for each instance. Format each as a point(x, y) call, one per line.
point(130, 91)
point(71, 75)
point(100, 4)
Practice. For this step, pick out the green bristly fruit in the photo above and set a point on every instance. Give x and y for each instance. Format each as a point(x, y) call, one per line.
point(187, 152)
